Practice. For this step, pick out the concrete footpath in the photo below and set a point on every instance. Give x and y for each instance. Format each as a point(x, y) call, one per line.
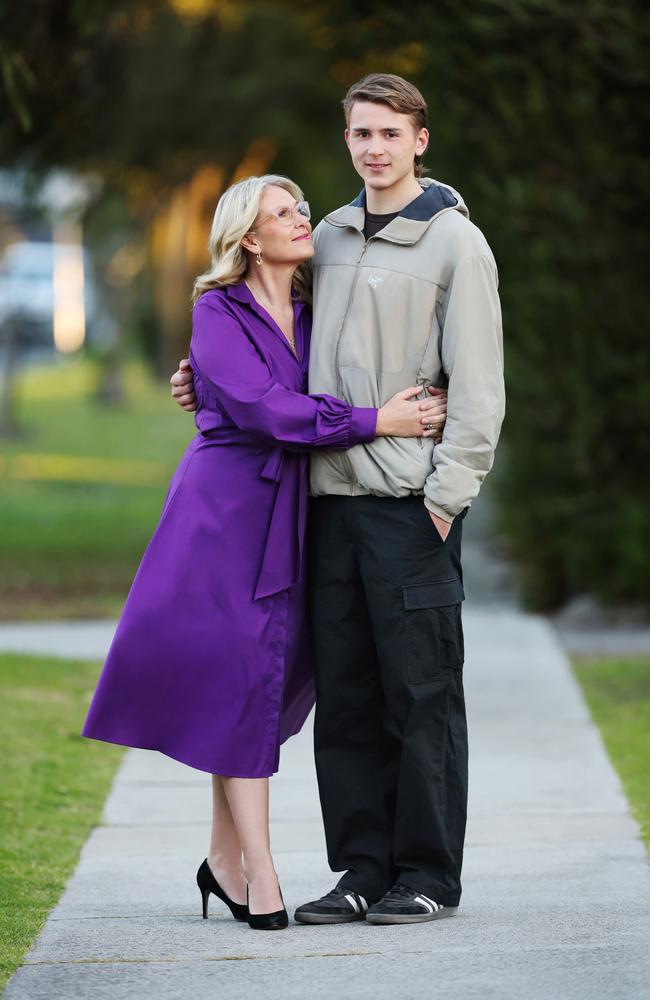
point(556, 902)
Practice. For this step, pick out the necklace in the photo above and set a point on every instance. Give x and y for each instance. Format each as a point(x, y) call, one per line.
point(269, 308)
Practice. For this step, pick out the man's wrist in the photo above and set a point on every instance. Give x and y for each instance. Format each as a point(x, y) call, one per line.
point(442, 520)
point(439, 511)
point(442, 527)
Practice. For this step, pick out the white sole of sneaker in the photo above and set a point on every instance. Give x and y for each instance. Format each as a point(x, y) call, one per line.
point(410, 918)
point(327, 918)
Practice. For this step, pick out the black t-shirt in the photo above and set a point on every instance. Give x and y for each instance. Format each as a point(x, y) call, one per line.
point(374, 223)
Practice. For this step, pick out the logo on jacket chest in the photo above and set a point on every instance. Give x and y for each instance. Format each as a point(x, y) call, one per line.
point(374, 280)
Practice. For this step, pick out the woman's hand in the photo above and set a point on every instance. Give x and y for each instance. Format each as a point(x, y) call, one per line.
point(405, 416)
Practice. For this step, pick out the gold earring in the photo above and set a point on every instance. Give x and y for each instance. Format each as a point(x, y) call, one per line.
point(258, 259)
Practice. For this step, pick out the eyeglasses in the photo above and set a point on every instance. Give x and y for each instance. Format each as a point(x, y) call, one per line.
point(287, 216)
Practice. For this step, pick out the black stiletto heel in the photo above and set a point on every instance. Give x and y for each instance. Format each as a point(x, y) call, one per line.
point(207, 883)
point(268, 921)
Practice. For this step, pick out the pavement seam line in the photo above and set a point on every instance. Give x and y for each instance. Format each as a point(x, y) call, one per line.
point(192, 961)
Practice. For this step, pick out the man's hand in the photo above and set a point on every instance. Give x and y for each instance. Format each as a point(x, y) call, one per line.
point(443, 527)
point(182, 383)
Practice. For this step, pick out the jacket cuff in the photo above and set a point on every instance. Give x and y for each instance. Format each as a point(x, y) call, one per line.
point(433, 508)
point(363, 425)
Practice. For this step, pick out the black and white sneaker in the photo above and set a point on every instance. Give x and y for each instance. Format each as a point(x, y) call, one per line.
point(340, 906)
point(403, 905)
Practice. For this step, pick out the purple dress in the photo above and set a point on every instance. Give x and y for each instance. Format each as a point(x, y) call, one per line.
point(210, 663)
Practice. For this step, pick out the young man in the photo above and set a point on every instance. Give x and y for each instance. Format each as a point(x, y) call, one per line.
point(405, 292)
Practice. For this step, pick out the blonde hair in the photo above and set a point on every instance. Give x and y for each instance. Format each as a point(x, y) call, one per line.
point(235, 215)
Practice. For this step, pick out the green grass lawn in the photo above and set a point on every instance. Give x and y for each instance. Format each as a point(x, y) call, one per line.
point(53, 786)
point(618, 694)
point(81, 490)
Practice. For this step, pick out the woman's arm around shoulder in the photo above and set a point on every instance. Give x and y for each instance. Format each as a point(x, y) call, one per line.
point(225, 354)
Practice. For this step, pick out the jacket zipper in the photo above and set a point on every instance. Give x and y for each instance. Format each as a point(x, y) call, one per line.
point(355, 281)
point(346, 460)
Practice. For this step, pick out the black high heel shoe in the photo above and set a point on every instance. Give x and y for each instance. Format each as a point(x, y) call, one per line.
point(207, 883)
point(268, 921)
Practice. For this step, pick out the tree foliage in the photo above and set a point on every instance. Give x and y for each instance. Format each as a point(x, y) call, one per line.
point(538, 113)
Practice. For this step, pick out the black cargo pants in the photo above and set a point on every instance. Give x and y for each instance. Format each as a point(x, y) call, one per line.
point(390, 732)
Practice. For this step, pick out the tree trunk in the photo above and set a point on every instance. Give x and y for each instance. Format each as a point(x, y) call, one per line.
point(8, 421)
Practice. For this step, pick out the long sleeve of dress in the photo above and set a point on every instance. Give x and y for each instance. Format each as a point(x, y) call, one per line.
point(226, 358)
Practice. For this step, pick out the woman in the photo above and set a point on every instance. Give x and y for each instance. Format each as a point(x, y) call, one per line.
point(210, 661)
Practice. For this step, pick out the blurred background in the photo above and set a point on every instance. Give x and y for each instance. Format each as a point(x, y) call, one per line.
point(120, 125)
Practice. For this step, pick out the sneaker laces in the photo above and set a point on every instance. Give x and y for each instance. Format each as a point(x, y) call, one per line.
point(401, 891)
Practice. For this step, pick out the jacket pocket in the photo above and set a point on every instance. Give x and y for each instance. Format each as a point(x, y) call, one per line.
point(433, 627)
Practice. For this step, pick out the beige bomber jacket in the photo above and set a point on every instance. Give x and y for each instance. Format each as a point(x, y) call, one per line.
point(417, 304)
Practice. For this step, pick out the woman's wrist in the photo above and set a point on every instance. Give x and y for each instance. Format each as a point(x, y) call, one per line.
point(363, 424)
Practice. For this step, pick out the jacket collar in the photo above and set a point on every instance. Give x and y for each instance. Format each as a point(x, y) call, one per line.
point(413, 221)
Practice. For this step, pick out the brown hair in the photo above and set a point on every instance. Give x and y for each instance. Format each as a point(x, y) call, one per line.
point(398, 94)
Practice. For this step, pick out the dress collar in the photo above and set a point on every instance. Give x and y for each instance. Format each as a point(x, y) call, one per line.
point(242, 293)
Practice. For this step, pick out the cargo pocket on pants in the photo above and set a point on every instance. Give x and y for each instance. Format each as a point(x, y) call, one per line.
point(434, 631)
